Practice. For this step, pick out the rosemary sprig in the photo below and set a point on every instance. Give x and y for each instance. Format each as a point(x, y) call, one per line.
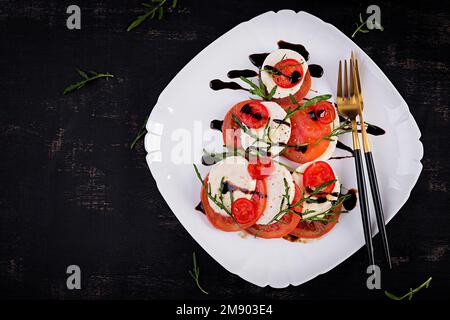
point(87, 77)
point(315, 192)
point(265, 136)
point(278, 71)
point(195, 273)
point(154, 9)
point(218, 203)
point(359, 27)
point(411, 292)
point(290, 207)
point(141, 133)
point(307, 104)
point(247, 129)
point(343, 128)
point(260, 90)
point(320, 216)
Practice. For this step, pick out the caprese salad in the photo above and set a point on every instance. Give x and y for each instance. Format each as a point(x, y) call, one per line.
point(249, 188)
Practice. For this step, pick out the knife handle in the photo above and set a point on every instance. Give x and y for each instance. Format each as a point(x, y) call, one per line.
point(362, 191)
point(378, 205)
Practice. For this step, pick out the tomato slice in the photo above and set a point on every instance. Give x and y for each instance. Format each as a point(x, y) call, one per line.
point(254, 114)
point(307, 130)
point(226, 223)
point(287, 73)
point(230, 129)
point(316, 229)
point(316, 174)
point(299, 95)
point(243, 210)
point(289, 222)
point(324, 112)
point(260, 168)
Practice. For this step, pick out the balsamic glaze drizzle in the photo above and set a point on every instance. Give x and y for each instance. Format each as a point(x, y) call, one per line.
point(315, 70)
point(281, 121)
point(227, 186)
point(370, 128)
point(217, 84)
point(207, 160)
point(338, 158)
point(312, 115)
point(350, 203)
point(248, 109)
point(200, 208)
point(257, 59)
point(294, 47)
point(374, 130)
point(345, 147)
point(216, 125)
point(233, 74)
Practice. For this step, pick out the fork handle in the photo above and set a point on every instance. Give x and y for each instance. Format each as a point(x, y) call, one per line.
point(362, 191)
point(377, 203)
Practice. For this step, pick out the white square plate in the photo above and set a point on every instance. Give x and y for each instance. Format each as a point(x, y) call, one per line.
point(187, 105)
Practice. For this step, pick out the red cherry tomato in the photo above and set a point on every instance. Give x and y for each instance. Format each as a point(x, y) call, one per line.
point(260, 168)
point(316, 174)
point(286, 102)
point(254, 114)
point(243, 210)
point(226, 223)
point(324, 112)
point(288, 73)
point(286, 224)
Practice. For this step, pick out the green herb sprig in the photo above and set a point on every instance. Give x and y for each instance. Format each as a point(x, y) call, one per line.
point(315, 216)
point(260, 90)
point(342, 129)
point(360, 26)
point(217, 202)
point(87, 76)
point(265, 136)
point(278, 71)
point(281, 212)
point(141, 133)
point(290, 112)
point(156, 8)
point(195, 273)
point(411, 292)
point(247, 129)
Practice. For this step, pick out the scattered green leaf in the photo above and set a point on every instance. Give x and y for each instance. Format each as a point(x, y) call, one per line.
point(156, 7)
point(411, 292)
point(195, 273)
point(86, 79)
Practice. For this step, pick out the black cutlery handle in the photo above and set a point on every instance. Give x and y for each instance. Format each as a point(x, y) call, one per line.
point(363, 204)
point(378, 205)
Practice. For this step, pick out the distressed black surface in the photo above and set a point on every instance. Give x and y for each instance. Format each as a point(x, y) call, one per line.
point(73, 193)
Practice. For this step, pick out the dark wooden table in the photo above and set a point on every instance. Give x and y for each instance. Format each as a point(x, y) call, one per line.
point(71, 191)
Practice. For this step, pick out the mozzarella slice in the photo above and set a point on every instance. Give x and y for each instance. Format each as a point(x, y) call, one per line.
point(276, 133)
point(232, 171)
point(315, 208)
point(271, 60)
point(275, 186)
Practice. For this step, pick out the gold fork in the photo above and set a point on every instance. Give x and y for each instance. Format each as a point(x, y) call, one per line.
point(347, 101)
point(370, 165)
